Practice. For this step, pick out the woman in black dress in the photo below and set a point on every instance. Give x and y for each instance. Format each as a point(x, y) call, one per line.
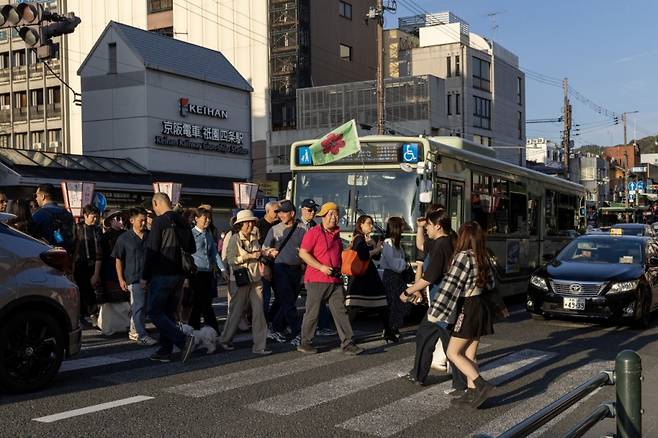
point(367, 291)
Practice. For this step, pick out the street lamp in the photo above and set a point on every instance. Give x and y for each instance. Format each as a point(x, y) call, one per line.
point(245, 194)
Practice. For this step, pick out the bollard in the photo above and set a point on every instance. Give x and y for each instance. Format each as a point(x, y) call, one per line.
point(628, 376)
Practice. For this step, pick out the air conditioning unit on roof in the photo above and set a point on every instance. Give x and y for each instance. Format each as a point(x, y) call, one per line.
point(39, 146)
point(54, 146)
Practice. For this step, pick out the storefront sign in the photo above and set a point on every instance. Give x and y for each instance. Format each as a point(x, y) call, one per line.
point(202, 110)
point(193, 136)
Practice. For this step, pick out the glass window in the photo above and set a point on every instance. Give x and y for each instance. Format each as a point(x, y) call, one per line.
point(4, 60)
point(20, 99)
point(602, 250)
point(520, 124)
point(457, 67)
point(159, 6)
point(54, 95)
point(166, 31)
point(20, 141)
point(449, 104)
point(5, 141)
point(345, 52)
point(441, 193)
point(19, 58)
point(54, 135)
point(3, 34)
point(519, 90)
point(112, 58)
point(481, 74)
point(448, 67)
point(533, 215)
point(37, 137)
point(458, 98)
point(36, 97)
point(345, 9)
point(456, 205)
point(481, 113)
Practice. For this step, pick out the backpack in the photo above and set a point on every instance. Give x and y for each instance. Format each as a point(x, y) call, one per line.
point(170, 238)
point(63, 227)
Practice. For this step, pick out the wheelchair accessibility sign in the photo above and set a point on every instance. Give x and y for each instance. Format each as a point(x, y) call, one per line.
point(409, 153)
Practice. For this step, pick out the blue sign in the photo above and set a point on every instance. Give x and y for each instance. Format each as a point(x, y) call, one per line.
point(640, 186)
point(100, 202)
point(304, 157)
point(410, 153)
point(631, 185)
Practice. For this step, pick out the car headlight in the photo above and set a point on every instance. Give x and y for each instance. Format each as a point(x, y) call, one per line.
point(623, 286)
point(538, 282)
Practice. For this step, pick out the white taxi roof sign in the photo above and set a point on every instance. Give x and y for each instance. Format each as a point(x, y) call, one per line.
point(616, 231)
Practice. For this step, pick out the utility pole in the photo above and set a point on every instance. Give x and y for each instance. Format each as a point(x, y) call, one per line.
point(624, 119)
point(566, 130)
point(376, 13)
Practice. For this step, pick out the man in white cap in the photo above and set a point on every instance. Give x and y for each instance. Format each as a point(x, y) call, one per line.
point(321, 250)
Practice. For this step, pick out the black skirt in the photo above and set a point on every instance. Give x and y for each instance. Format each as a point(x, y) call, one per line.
point(475, 319)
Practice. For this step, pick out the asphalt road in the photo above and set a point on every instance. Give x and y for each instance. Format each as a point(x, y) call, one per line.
point(112, 389)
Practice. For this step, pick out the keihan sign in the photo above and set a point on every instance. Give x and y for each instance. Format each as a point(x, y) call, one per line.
point(199, 137)
point(188, 108)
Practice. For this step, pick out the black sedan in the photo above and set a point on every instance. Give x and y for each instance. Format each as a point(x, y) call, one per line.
point(599, 276)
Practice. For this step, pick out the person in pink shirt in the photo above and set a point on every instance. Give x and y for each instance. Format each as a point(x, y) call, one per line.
point(321, 250)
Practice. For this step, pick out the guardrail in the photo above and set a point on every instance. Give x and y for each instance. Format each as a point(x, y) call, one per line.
point(627, 409)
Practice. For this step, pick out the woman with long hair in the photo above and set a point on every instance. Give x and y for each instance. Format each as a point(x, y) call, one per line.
point(23, 220)
point(367, 291)
point(394, 264)
point(437, 262)
point(470, 275)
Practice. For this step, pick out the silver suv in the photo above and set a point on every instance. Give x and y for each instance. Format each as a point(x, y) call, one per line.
point(39, 311)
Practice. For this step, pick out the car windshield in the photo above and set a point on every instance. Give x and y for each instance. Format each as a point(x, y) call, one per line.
point(380, 194)
point(603, 250)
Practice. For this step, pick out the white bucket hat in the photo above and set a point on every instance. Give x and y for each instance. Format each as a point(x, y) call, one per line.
point(245, 216)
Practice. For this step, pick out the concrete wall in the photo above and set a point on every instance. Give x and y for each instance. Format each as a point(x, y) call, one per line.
point(94, 15)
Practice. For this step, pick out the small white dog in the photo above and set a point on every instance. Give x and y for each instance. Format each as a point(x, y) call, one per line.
point(204, 338)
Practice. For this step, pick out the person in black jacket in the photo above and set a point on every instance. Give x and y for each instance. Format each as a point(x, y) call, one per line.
point(163, 275)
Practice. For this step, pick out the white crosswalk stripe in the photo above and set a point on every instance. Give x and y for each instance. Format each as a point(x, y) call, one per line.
point(529, 406)
point(401, 414)
point(334, 389)
point(203, 388)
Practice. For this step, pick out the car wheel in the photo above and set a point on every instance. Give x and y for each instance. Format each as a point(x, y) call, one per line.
point(645, 318)
point(31, 351)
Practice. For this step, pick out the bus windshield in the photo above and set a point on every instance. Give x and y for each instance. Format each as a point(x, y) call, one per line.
point(380, 194)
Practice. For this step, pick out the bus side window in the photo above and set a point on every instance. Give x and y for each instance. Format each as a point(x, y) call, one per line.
point(456, 205)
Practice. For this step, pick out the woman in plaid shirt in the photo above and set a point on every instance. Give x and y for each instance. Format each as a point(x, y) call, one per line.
point(470, 276)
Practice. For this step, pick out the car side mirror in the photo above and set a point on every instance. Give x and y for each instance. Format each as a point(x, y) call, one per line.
point(548, 258)
point(653, 262)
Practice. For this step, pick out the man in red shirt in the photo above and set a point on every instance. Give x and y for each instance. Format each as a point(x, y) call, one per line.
point(321, 250)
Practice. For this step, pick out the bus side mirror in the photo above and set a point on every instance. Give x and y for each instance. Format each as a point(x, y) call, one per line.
point(425, 192)
point(289, 191)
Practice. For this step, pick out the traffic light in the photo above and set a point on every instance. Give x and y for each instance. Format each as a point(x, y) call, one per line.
point(37, 26)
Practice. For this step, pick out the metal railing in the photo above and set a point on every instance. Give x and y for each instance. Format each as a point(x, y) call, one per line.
point(627, 409)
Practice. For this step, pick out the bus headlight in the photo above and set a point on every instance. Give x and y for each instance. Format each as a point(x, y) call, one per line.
point(623, 286)
point(539, 282)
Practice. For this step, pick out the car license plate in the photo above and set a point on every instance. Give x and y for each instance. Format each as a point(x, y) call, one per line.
point(574, 303)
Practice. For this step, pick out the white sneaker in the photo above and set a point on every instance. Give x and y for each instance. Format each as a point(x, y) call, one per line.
point(133, 336)
point(296, 341)
point(449, 391)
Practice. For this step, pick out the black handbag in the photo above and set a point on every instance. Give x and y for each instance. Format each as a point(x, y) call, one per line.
point(242, 277)
point(408, 275)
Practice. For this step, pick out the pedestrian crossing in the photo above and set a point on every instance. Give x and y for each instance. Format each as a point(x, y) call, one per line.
point(368, 376)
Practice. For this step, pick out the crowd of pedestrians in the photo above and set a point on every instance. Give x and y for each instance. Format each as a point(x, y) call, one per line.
point(165, 266)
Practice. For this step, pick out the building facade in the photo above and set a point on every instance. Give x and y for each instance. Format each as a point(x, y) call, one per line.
point(185, 118)
point(593, 173)
point(485, 88)
point(626, 156)
point(544, 151)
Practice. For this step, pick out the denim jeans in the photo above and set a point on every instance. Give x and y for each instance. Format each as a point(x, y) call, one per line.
point(138, 309)
point(286, 290)
point(163, 303)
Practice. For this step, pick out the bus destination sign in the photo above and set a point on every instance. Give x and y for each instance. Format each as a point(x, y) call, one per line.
point(371, 153)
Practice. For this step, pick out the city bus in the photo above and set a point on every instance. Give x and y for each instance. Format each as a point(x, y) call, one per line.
point(526, 214)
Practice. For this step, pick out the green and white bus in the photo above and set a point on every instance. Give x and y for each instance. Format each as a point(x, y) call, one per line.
point(527, 214)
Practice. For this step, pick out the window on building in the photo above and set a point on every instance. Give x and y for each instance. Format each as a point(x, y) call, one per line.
point(54, 135)
point(20, 99)
point(519, 90)
point(481, 74)
point(20, 141)
point(449, 104)
point(345, 9)
point(5, 141)
point(36, 97)
point(36, 138)
point(5, 101)
point(345, 52)
point(457, 66)
point(458, 99)
point(4, 60)
point(19, 58)
point(520, 124)
point(481, 113)
point(166, 31)
point(154, 6)
point(448, 67)
point(3, 35)
point(54, 95)
point(112, 58)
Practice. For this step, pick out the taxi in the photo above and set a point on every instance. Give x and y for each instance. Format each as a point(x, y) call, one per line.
point(612, 276)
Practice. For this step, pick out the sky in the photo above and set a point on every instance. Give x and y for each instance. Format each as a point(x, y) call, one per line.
point(608, 49)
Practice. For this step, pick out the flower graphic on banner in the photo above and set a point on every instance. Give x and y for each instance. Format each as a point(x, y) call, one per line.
point(333, 143)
